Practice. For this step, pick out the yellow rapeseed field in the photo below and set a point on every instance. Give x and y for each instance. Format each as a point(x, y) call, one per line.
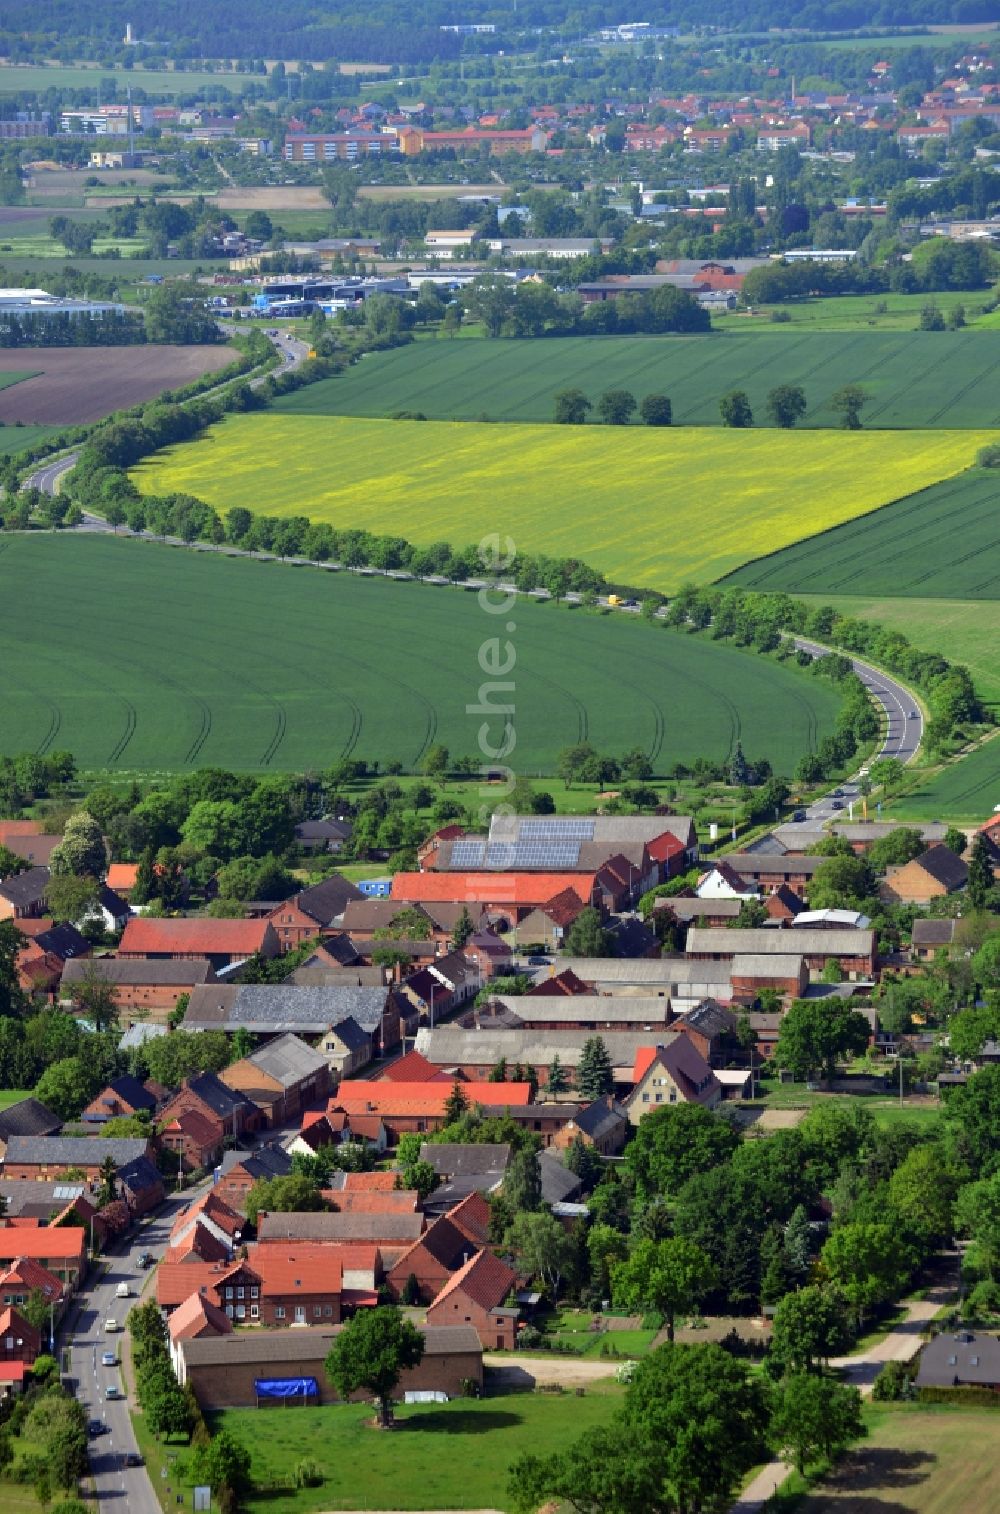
point(646, 506)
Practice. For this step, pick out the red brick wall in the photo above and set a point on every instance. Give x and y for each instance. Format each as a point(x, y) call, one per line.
point(458, 1309)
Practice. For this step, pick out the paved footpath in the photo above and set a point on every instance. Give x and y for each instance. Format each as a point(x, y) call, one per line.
point(900, 1344)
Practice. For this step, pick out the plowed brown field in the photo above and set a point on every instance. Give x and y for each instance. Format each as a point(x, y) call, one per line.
point(74, 385)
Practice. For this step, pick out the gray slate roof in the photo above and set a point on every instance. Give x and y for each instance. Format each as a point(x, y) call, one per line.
point(654, 972)
point(558, 1183)
point(353, 1226)
point(327, 900)
point(452, 1048)
point(263, 1163)
point(288, 1060)
point(249, 1347)
point(452, 1159)
point(284, 1007)
point(969, 1356)
point(598, 1009)
point(74, 1151)
point(599, 1118)
point(141, 1175)
point(733, 941)
point(25, 889)
point(28, 1198)
point(927, 933)
point(128, 970)
point(28, 1117)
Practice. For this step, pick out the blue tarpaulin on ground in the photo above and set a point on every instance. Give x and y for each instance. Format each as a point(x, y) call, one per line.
point(285, 1387)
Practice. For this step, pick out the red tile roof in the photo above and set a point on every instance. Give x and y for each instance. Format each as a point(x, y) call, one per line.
point(411, 1068)
point(472, 1217)
point(122, 876)
point(176, 1281)
point(198, 1315)
point(214, 1209)
point(370, 1182)
point(355, 1097)
point(204, 937)
point(402, 1201)
point(306, 1268)
point(644, 1059)
point(489, 888)
point(198, 1245)
point(196, 1126)
point(31, 1275)
point(485, 1279)
point(67, 1244)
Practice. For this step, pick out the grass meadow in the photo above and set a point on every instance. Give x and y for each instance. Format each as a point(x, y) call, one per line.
point(646, 506)
point(938, 542)
point(858, 312)
point(150, 658)
point(916, 379)
point(968, 790)
point(18, 438)
point(18, 78)
point(965, 631)
point(916, 1460)
point(442, 1456)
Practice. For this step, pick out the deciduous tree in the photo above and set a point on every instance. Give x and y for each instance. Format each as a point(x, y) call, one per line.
point(670, 1276)
point(373, 1351)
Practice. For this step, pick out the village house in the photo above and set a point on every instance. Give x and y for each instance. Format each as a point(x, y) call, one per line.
point(602, 1125)
point(282, 1078)
point(312, 912)
point(20, 1344)
point(928, 937)
point(674, 1074)
point(275, 1009)
point(711, 1027)
point(198, 1318)
point(238, 1171)
point(964, 1358)
point(477, 1295)
point(122, 1097)
point(60, 1249)
point(213, 1215)
point(853, 950)
point(143, 988)
point(421, 1271)
point(932, 875)
point(23, 894)
point(207, 1095)
point(141, 1186)
point(417, 1107)
point(228, 1370)
point(47, 1158)
point(193, 1137)
point(768, 870)
point(216, 941)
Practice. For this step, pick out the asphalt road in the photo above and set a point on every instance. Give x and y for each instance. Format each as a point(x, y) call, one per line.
point(905, 720)
point(116, 1485)
point(292, 352)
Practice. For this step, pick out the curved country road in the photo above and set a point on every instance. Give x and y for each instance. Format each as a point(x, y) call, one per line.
point(292, 353)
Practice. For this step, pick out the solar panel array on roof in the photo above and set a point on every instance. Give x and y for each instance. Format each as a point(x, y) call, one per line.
point(470, 852)
point(561, 827)
point(551, 853)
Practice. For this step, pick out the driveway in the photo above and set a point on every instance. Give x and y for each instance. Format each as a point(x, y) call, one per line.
point(900, 1344)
